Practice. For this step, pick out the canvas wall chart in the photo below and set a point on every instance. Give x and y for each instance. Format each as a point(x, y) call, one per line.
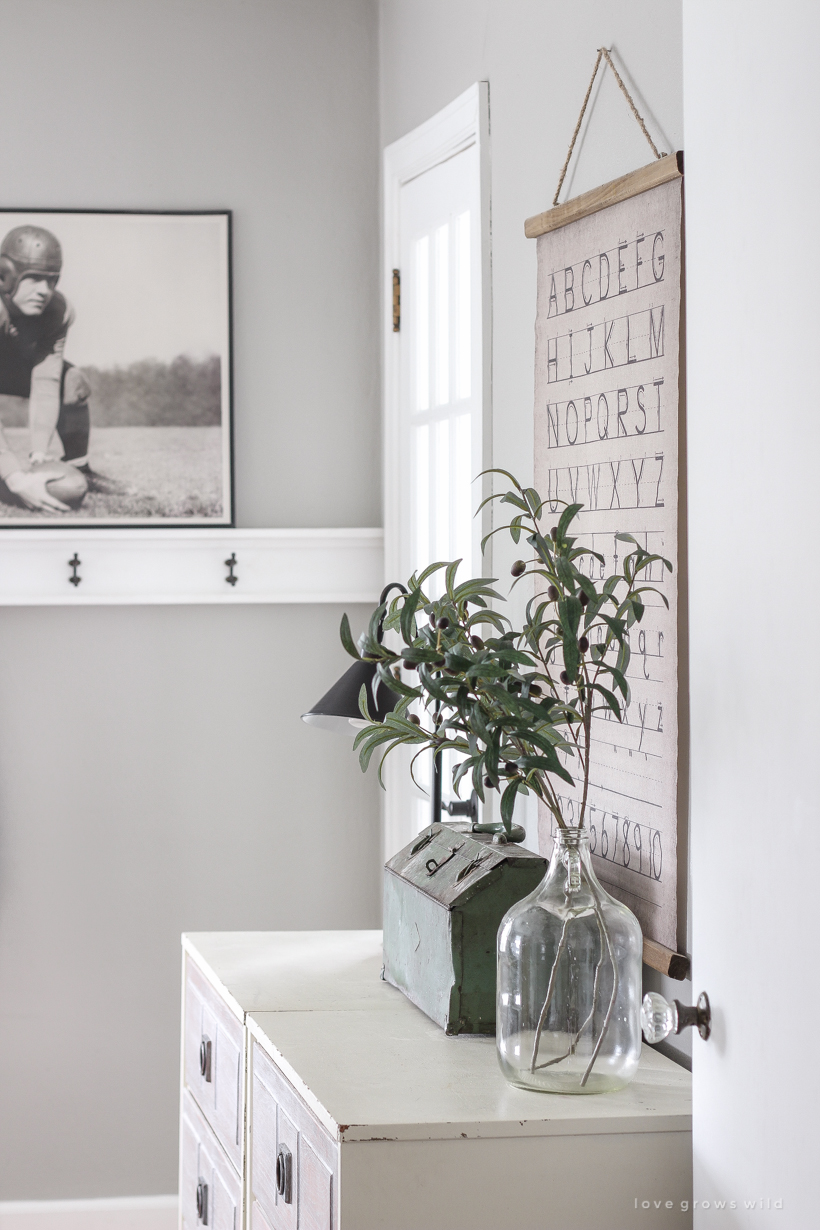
point(607, 364)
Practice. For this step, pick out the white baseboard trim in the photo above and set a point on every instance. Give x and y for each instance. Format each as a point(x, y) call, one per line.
point(121, 1213)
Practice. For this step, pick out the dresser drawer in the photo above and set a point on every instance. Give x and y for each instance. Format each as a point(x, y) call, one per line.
point(210, 1189)
point(214, 1061)
point(293, 1161)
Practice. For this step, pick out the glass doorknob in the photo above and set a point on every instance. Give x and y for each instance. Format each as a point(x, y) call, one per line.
point(659, 1018)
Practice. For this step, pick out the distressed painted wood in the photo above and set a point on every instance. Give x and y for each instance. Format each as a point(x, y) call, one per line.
point(205, 1163)
point(445, 894)
point(400, 1126)
point(208, 1019)
point(279, 1117)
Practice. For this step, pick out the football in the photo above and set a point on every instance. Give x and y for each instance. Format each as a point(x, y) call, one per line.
point(68, 484)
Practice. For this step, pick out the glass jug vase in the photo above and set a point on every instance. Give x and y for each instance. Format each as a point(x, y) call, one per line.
point(569, 981)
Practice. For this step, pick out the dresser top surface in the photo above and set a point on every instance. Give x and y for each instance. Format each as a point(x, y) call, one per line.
point(291, 971)
point(370, 1064)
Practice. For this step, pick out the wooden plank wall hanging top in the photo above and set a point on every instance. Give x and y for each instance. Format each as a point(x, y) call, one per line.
point(607, 392)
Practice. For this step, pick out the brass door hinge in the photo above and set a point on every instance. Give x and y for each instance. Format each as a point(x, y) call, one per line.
point(396, 301)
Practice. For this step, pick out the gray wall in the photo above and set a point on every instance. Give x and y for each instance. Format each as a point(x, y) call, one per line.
point(154, 776)
point(537, 56)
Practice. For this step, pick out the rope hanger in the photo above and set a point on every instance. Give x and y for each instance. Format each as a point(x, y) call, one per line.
point(603, 54)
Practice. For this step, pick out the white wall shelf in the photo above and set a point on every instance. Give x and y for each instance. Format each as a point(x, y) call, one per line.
point(188, 566)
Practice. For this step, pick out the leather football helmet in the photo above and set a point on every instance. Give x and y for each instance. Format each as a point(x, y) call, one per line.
point(28, 250)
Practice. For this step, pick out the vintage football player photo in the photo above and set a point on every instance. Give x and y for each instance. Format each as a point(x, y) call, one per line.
point(115, 369)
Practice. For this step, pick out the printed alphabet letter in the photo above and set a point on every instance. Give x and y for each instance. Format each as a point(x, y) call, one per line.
point(571, 408)
point(552, 426)
point(615, 467)
point(586, 265)
point(602, 294)
point(622, 247)
point(552, 307)
point(587, 416)
point(655, 338)
point(638, 261)
point(603, 435)
point(623, 406)
point(639, 395)
point(657, 257)
point(552, 359)
point(607, 335)
point(569, 289)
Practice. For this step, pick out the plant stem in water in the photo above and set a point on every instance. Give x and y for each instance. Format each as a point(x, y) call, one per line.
point(550, 990)
point(613, 997)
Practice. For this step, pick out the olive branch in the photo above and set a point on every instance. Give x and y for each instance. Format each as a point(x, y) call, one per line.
point(510, 703)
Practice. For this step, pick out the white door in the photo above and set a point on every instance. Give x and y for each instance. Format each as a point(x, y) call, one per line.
point(754, 525)
point(436, 401)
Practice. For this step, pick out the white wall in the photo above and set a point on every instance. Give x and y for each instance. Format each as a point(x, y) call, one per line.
point(752, 95)
point(537, 56)
point(154, 775)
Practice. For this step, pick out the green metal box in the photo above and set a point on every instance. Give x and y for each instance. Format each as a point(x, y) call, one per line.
point(444, 897)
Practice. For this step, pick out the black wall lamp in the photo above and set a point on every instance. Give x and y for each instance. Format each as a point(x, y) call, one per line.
point(338, 710)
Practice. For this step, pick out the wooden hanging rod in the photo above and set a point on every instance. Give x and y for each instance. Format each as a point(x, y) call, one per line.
point(659, 172)
point(666, 961)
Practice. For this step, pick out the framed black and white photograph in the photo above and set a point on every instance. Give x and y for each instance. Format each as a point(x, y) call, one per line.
point(115, 369)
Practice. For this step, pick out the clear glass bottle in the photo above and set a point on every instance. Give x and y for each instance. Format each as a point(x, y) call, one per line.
point(568, 1017)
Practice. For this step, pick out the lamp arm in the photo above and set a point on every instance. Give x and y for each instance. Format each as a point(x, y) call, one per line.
point(383, 598)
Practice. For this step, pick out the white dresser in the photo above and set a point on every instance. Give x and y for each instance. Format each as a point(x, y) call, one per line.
point(316, 1097)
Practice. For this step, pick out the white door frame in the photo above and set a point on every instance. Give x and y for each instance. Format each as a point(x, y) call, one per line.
point(462, 124)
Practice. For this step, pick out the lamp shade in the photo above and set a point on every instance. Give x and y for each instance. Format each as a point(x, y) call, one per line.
point(338, 710)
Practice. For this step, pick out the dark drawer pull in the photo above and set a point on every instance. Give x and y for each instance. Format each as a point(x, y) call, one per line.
point(205, 1058)
point(284, 1174)
point(202, 1202)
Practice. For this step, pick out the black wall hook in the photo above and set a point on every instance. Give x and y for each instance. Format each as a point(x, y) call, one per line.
point(230, 564)
point(74, 564)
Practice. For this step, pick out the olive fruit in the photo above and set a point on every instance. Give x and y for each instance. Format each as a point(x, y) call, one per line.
point(476, 642)
point(414, 720)
point(583, 598)
point(535, 689)
point(519, 568)
point(410, 666)
point(510, 767)
point(488, 781)
point(554, 533)
point(443, 623)
point(552, 594)
point(564, 677)
point(583, 643)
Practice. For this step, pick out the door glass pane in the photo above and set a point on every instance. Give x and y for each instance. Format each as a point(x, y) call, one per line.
point(421, 333)
point(463, 320)
point(442, 314)
point(441, 503)
point(421, 497)
point(462, 489)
